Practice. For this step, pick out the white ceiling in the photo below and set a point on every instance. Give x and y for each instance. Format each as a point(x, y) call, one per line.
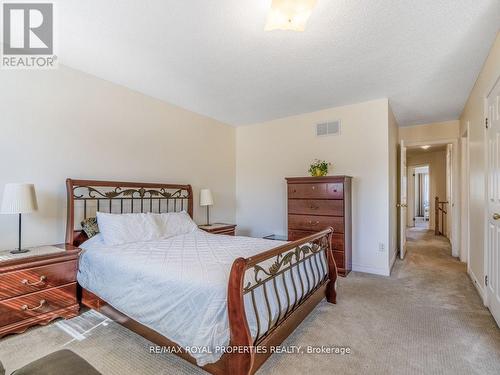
point(213, 56)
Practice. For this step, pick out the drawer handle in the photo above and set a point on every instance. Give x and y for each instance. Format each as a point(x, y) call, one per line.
point(313, 187)
point(313, 207)
point(26, 308)
point(42, 280)
point(315, 223)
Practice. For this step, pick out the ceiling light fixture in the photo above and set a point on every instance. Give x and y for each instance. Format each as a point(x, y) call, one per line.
point(425, 147)
point(289, 14)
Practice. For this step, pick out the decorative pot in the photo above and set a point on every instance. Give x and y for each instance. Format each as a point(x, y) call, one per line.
point(319, 173)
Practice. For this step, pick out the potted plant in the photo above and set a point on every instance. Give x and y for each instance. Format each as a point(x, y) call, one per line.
point(319, 168)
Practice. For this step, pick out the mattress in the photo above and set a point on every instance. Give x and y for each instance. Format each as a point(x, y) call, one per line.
point(178, 286)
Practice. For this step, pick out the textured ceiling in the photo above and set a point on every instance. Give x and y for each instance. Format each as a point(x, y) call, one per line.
point(213, 56)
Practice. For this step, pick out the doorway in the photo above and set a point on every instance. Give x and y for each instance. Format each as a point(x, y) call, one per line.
point(419, 197)
point(430, 197)
point(428, 179)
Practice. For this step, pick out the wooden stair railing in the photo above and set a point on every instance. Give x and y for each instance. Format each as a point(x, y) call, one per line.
point(441, 211)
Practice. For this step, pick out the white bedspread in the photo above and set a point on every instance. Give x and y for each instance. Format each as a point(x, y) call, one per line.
point(177, 286)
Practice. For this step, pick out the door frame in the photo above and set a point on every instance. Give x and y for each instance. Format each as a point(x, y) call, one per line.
point(465, 196)
point(484, 292)
point(456, 207)
point(402, 212)
point(411, 169)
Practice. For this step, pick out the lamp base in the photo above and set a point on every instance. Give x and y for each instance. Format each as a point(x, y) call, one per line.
point(19, 251)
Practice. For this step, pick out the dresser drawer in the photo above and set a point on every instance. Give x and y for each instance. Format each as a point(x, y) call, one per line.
point(315, 223)
point(339, 259)
point(335, 190)
point(35, 279)
point(316, 190)
point(294, 235)
point(316, 207)
point(32, 305)
point(337, 238)
point(338, 242)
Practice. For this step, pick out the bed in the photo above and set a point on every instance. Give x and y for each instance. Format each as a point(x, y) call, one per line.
point(218, 301)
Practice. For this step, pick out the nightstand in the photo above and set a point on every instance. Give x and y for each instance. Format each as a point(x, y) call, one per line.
point(219, 228)
point(37, 287)
point(276, 237)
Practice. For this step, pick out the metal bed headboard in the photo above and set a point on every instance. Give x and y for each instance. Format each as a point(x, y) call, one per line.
point(86, 197)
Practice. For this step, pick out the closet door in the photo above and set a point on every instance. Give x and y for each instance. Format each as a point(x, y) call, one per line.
point(492, 279)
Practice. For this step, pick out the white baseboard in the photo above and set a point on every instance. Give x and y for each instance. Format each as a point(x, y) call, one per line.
point(478, 285)
point(371, 269)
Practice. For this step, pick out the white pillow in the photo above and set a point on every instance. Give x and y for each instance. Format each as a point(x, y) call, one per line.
point(174, 223)
point(117, 229)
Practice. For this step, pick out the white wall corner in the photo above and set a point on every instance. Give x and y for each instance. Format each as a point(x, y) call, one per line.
point(393, 260)
point(478, 285)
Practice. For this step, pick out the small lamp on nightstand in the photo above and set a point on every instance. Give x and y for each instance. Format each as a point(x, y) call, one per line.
point(206, 200)
point(19, 199)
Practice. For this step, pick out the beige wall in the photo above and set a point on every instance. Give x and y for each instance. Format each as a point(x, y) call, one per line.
point(270, 151)
point(63, 123)
point(473, 114)
point(437, 178)
point(430, 132)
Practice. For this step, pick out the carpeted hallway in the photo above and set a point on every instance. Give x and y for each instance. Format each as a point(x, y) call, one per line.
point(427, 318)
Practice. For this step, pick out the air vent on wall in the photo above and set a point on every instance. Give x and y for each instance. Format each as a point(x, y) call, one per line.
point(328, 128)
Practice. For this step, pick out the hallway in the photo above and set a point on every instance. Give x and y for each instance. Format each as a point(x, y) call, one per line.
point(433, 274)
point(447, 307)
point(421, 223)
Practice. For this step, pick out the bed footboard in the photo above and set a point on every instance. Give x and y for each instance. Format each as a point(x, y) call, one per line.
point(276, 290)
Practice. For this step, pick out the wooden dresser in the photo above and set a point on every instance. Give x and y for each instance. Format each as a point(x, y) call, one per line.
point(316, 203)
point(38, 288)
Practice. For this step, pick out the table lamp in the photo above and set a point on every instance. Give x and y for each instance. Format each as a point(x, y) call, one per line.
point(206, 200)
point(19, 199)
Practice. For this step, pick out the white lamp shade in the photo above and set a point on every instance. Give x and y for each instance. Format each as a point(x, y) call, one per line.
point(289, 14)
point(19, 199)
point(206, 198)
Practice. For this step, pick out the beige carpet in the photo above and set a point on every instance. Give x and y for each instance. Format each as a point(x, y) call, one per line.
point(426, 318)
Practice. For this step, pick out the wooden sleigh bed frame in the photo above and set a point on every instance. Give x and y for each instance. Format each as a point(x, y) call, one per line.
point(85, 197)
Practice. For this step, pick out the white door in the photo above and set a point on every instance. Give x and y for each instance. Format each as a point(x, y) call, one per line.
point(493, 240)
point(403, 201)
point(410, 198)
